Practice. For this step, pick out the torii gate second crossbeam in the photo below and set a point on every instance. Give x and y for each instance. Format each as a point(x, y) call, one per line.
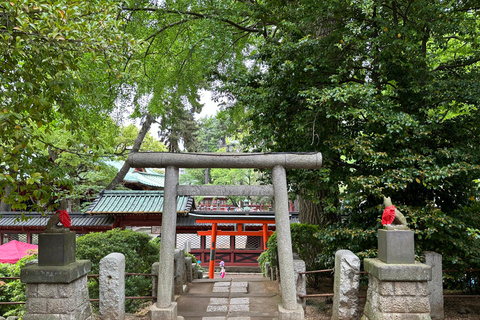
point(165, 308)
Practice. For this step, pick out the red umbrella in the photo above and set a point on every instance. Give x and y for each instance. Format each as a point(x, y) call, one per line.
point(14, 250)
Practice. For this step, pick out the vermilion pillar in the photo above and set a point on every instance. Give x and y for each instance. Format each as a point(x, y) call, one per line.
point(265, 236)
point(213, 246)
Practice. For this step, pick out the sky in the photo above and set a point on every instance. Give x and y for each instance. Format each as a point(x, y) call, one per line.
point(210, 107)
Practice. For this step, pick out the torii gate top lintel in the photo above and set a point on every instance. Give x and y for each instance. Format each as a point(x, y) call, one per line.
point(288, 160)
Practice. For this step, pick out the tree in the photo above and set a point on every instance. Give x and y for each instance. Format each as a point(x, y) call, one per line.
point(59, 69)
point(385, 90)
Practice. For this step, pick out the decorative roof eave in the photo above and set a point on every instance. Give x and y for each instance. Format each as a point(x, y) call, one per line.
point(9, 220)
point(135, 202)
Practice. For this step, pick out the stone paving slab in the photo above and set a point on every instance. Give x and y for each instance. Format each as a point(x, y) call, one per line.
point(240, 284)
point(239, 289)
point(218, 301)
point(217, 308)
point(239, 300)
point(255, 303)
point(221, 284)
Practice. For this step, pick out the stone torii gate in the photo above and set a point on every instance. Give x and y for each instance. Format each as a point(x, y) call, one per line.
point(165, 308)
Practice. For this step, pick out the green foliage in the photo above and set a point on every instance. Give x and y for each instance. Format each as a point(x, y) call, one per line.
point(304, 242)
point(362, 242)
point(261, 261)
point(13, 290)
point(60, 65)
point(140, 253)
point(379, 89)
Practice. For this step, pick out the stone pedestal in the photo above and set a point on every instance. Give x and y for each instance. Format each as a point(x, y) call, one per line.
point(168, 313)
point(291, 314)
point(396, 246)
point(397, 291)
point(57, 292)
point(56, 249)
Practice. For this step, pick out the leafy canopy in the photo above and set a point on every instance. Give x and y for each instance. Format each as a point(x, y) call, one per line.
point(60, 68)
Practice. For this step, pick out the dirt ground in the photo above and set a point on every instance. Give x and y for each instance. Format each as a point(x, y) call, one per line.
point(321, 308)
point(455, 308)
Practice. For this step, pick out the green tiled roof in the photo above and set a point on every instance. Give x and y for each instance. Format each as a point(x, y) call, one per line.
point(135, 202)
point(148, 178)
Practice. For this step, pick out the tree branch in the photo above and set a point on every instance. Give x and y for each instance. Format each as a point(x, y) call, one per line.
point(453, 66)
point(198, 15)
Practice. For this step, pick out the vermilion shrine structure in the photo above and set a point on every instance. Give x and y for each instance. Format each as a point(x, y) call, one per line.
point(238, 220)
point(165, 308)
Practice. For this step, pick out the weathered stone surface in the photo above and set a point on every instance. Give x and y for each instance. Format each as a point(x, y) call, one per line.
point(396, 246)
point(155, 266)
point(112, 287)
point(239, 300)
point(58, 301)
point(225, 160)
point(396, 300)
point(55, 274)
point(220, 301)
point(168, 313)
point(284, 239)
point(239, 307)
point(167, 250)
point(291, 314)
point(299, 266)
point(346, 285)
point(189, 269)
point(435, 286)
point(398, 272)
point(180, 276)
point(216, 308)
point(56, 249)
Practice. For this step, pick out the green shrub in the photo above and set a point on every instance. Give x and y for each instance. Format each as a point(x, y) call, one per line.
point(261, 261)
point(140, 253)
point(13, 290)
point(304, 243)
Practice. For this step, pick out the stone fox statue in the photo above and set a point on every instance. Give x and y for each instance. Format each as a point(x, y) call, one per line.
point(399, 217)
point(52, 224)
point(60, 216)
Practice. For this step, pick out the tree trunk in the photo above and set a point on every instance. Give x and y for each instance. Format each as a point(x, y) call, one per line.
point(312, 213)
point(136, 147)
point(3, 205)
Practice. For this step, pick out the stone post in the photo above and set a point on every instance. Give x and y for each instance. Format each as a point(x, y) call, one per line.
point(112, 287)
point(165, 308)
point(346, 285)
point(180, 276)
point(155, 280)
point(300, 279)
point(189, 267)
point(267, 269)
point(289, 309)
point(435, 286)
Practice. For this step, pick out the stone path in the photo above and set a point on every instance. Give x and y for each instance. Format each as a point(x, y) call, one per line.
point(232, 298)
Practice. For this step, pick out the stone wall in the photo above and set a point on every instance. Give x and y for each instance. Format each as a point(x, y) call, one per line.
point(58, 301)
point(397, 291)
